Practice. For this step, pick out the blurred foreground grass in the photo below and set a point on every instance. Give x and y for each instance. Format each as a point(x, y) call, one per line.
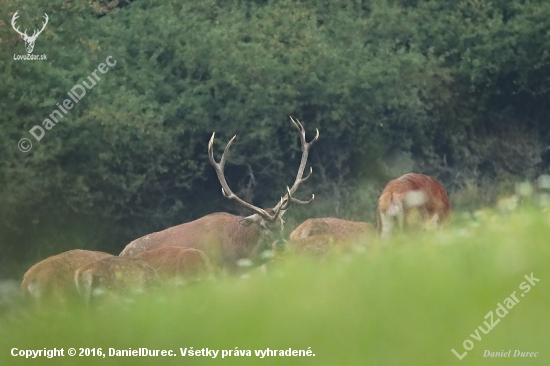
point(405, 303)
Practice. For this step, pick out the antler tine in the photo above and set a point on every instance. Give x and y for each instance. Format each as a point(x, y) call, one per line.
point(302, 180)
point(295, 200)
point(36, 32)
point(300, 202)
point(227, 192)
point(305, 152)
point(13, 19)
point(299, 179)
point(44, 23)
point(281, 206)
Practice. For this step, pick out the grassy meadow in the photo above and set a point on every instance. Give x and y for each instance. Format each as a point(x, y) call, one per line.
point(407, 302)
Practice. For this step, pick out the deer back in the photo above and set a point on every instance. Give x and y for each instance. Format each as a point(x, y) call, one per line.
point(335, 227)
point(53, 276)
point(114, 276)
point(219, 235)
point(177, 262)
point(416, 193)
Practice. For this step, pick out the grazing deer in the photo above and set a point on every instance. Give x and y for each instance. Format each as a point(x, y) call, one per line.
point(332, 226)
point(317, 236)
point(227, 238)
point(316, 245)
point(178, 263)
point(409, 199)
point(114, 276)
point(53, 276)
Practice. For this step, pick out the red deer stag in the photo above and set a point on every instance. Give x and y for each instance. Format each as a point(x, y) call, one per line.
point(178, 263)
point(227, 238)
point(412, 198)
point(114, 276)
point(53, 276)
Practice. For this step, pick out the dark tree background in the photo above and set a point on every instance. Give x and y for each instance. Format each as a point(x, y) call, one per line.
point(453, 88)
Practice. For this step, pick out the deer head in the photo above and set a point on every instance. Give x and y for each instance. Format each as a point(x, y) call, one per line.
point(29, 40)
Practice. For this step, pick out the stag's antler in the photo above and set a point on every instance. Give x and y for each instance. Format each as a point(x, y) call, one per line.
point(285, 202)
point(13, 19)
point(283, 205)
point(36, 33)
point(227, 192)
point(24, 34)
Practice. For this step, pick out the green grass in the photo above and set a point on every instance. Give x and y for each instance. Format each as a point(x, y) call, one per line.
point(408, 302)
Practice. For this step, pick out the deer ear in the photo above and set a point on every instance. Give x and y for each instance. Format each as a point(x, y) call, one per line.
point(246, 221)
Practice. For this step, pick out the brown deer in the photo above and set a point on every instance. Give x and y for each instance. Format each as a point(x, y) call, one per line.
point(412, 199)
point(337, 228)
point(114, 276)
point(316, 245)
point(53, 277)
point(177, 263)
point(227, 238)
point(318, 235)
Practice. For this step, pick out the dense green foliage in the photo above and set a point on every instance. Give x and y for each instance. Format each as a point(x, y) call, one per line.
point(456, 89)
point(407, 303)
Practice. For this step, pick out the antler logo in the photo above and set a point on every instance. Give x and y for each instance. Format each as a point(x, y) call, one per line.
point(29, 40)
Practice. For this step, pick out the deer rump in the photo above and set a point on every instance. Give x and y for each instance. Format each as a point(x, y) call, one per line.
point(338, 228)
point(53, 276)
point(317, 236)
point(220, 235)
point(409, 192)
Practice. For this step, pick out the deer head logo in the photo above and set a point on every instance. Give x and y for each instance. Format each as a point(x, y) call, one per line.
point(29, 40)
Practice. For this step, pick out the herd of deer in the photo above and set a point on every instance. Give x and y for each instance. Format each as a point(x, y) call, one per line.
point(191, 250)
